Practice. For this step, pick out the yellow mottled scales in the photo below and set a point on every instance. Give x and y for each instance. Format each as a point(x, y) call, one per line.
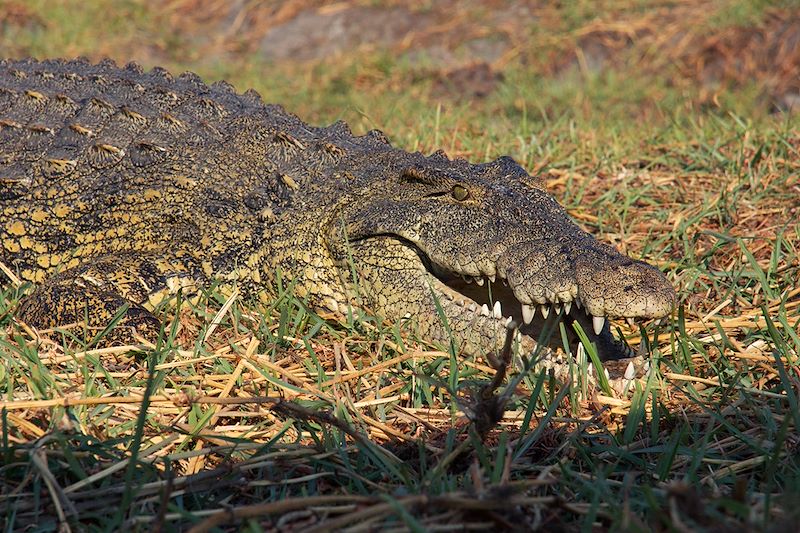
point(119, 187)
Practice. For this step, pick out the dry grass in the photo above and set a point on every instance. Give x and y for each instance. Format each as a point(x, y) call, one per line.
point(269, 417)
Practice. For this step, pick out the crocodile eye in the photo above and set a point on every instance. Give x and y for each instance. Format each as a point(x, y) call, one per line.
point(460, 193)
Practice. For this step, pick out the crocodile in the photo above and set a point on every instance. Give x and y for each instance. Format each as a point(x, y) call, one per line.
point(120, 187)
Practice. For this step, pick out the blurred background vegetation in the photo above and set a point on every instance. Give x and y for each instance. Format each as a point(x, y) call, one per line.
point(476, 76)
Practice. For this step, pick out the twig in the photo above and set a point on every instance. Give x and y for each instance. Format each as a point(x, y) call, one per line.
point(39, 459)
point(281, 506)
point(490, 406)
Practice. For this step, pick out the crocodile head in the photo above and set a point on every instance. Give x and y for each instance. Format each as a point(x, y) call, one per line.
point(462, 250)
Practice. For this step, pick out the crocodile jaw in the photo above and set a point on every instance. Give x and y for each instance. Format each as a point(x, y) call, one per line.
point(398, 281)
point(490, 300)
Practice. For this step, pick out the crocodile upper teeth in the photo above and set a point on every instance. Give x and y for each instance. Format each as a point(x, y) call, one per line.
point(529, 310)
point(527, 313)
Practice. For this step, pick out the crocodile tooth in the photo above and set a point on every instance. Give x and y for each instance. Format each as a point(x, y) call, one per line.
point(608, 376)
point(508, 321)
point(527, 313)
point(492, 278)
point(473, 307)
point(545, 309)
point(557, 308)
point(630, 322)
point(498, 310)
point(567, 307)
point(485, 310)
point(578, 303)
point(597, 324)
point(479, 281)
point(630, 372)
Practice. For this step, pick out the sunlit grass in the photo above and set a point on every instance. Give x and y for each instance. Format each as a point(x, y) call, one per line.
point(248, 410)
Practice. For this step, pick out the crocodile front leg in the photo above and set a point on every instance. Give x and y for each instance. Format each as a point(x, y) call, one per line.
point(94, 294)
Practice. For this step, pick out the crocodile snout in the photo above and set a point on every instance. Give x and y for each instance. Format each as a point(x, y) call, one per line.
point(613, 285)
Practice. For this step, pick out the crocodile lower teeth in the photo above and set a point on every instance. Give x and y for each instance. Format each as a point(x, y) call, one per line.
point(485, 310)
point(630, 371)
point(497, 310)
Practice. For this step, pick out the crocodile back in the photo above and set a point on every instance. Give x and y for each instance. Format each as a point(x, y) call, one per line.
point(97, 159)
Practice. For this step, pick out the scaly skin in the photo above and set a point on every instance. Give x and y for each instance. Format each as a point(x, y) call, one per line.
point(117, 187)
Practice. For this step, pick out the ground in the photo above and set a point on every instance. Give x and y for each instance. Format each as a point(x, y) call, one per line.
point(667, 128)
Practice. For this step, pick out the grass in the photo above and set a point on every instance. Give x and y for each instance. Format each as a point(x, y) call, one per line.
point(264, 415)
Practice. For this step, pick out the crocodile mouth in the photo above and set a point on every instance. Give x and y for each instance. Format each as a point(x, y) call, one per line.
point(491, 298)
